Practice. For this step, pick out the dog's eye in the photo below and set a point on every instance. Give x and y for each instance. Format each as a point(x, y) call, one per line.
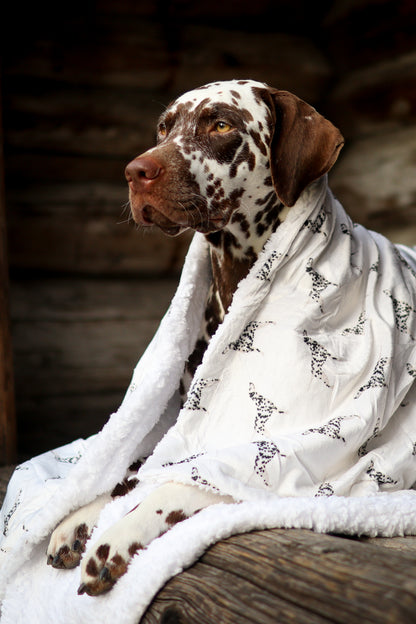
point(162, 132)
point(222, 127)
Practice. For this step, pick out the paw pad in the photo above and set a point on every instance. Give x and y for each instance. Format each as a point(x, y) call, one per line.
point(68, 557)
point(103, 571)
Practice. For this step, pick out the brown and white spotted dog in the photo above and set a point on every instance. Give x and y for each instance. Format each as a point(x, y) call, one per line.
point(231, 158)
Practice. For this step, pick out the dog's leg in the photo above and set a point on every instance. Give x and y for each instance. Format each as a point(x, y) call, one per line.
point(105, 562)
point(68, 540)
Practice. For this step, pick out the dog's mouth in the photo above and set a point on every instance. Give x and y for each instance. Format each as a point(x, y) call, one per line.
point(148, 215)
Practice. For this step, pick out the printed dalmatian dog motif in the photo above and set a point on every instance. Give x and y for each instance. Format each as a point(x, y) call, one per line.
point(345, 230)
point(363, 450)
point(404, 262)
point(187, 460)
point(325, 489)
point(377, 379)
point(332, 429)
point(266, 452)
point(231, 159)
point(402, 312)
point(317, 225)
point(194, 395)
point(9, 515)
point(265, 271)
point(411, 370)
point(264, 407)
point(245, 342)
point(319, 356)
point(379, 476)
point(319, 283)
point(358, 329)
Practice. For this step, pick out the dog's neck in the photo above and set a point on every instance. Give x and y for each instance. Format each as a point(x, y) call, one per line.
point(235, 248)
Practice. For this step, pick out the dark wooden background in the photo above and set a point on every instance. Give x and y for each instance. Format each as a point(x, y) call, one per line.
point(82, 86)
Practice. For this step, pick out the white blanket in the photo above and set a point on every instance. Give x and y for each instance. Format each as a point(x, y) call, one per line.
point(303, 410)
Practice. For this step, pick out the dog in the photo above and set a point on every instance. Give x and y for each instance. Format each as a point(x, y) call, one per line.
point(231, 159)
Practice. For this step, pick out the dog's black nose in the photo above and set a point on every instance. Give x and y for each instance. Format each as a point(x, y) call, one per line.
point(143, 169)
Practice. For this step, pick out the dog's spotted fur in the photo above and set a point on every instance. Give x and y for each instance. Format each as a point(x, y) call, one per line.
point(226, 174)
point(231, 158)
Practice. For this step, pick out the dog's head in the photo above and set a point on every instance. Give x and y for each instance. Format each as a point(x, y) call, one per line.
point(226, 144)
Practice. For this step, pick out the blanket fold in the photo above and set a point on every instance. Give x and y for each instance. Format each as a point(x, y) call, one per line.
point(304, 404)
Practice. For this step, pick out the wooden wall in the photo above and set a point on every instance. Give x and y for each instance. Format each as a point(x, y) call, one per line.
point(373, 100)
point(81, 93)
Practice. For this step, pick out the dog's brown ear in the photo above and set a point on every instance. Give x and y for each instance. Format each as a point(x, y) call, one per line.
point(304, 146)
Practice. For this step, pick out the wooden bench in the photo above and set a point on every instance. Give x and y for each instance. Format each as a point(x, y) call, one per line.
point(296, 576)
point(290, 576)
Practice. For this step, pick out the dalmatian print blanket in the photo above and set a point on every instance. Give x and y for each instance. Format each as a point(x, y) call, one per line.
point(304, 404)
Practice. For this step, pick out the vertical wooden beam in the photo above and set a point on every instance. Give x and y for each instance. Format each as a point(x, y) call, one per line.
point(7, 406)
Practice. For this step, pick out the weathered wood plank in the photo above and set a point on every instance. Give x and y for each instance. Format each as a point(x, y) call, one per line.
point(56, 358)
point(404, 544)
point(86, 227)
point(290, 576)
point(64, 118)
point(102, 50)
point(112, 54)
point(282, 60)
point(74, 197)
point(46, 421)
point(208, 593)
point(76, 343)
point(7, 406)
point(56, 168)
point(76, 243)
point(68, 300)
point(77, 337)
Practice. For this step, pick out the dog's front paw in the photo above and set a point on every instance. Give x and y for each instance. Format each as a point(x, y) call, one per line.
point(103, 564)
point(68, 540)
point(65, 548)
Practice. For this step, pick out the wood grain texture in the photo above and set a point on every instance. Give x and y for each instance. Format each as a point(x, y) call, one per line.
point(102, 246)
point(112, 52)
point(291, 576)
point(86, 227)
point(76, 342)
